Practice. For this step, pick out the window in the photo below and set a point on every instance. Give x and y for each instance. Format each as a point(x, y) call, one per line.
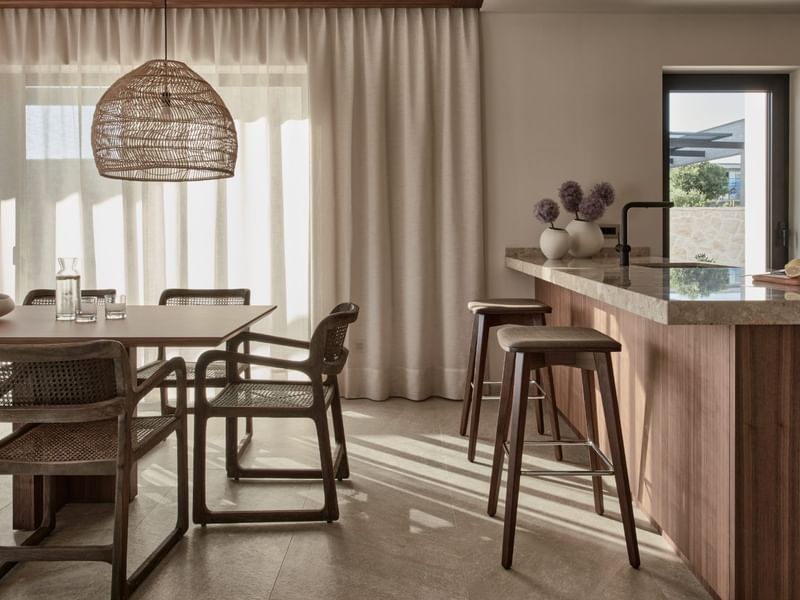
point(726, 169)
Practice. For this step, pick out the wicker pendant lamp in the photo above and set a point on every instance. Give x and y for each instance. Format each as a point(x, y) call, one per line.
point(163, 122)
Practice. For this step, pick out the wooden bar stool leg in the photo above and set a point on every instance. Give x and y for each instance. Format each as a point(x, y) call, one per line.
point(591, 434)
point(555, 429)
point(539, 319)
point(467, 401)
point(518, 412)
point(608, 393)
point(539, 403)
point(477, 385)
point(503, 414)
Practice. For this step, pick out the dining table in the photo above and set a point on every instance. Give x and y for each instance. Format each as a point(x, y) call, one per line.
point(144, 326)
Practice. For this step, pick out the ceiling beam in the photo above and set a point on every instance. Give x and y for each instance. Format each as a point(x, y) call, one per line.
point(241, 3)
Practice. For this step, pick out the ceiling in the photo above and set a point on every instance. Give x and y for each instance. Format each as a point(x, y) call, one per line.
point(643, 6)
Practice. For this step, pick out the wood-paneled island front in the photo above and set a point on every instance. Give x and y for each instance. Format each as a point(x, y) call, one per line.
point(709, 391)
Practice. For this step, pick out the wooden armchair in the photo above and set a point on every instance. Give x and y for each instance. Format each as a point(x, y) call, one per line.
point(246, 397)
point(74, 410)
point(216, 371)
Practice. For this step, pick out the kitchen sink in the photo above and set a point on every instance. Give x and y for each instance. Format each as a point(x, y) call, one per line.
point(682, 265)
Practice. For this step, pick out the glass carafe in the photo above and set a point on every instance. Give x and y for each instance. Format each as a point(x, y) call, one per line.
point(68, 289)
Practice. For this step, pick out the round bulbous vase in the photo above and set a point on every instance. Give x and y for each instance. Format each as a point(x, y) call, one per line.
point(586, 238)
point(6, 304)
point(554, 243)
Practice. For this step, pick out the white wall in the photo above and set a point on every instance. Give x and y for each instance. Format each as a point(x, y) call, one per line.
point(578, 96)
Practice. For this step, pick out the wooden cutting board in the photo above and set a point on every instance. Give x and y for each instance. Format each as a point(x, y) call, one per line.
point(778, 278)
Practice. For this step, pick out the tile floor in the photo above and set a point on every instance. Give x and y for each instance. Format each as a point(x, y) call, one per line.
point(413, 526)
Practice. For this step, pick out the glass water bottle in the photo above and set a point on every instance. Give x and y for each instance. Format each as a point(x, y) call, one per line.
point(68, 289)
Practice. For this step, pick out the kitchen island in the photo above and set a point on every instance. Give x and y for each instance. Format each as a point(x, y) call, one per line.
point(709, 391)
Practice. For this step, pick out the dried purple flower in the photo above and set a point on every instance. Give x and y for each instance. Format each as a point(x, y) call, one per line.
point(547, 211)
point(604, 191)
point(571, 195)
point(591, 208)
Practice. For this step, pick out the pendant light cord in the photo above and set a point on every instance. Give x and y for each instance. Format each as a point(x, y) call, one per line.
point(166, 23)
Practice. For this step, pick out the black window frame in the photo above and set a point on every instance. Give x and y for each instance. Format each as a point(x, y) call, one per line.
point(777, 85)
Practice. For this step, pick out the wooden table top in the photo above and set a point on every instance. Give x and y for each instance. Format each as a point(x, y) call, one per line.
point(145, 325)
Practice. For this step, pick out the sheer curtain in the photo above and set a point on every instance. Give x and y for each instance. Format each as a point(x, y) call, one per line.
point(359, 173)
point(250, 231)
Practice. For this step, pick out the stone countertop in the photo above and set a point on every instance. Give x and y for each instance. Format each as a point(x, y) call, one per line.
point(675, 296)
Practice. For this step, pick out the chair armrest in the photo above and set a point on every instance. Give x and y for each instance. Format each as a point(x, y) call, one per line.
point(210, 356)
point(249, 336)
point(174, 365)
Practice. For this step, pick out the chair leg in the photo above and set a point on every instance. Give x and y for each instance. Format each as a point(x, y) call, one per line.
point(343, 472)
point(326, 461)
point(231, 451)
point(590, 405)
point(555, 429)
point(503, 414)
point(199, 508)
point(119, 554)
point(608, 393)
point(182, 457)
point(164, 394)
point(518, 413)
point(182, 521)
point(248, 435)
point(467, 400)
point(477, 385)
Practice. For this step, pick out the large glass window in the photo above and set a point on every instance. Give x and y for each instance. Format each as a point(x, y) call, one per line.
point(725, 169)
point(249, 231)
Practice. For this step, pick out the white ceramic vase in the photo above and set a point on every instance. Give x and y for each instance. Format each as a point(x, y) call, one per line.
point(586, 238)
point(554, 243)
point(6, 304)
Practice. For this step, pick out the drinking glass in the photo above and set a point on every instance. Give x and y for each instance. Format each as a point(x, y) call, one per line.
point(87, 313)
point(116, 306)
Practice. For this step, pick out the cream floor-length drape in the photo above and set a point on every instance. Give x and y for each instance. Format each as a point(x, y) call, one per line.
point(398, 206)
point(359, 174)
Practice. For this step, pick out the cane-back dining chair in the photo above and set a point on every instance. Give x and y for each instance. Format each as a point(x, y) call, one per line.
point(74, 409)
point(47, 297)
point(216, 374)
point(277, 399)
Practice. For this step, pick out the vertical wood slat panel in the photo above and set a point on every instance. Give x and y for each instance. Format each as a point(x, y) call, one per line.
point(768, 461)
point(675, 385)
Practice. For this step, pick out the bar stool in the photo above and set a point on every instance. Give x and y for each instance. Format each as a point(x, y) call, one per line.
point(495, 312)
point(530, 348)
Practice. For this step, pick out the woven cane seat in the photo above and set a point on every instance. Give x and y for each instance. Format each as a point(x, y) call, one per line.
point(268, 395)
point(80, 442)
point(517, 338)
point(215, 371)
point(498, 306)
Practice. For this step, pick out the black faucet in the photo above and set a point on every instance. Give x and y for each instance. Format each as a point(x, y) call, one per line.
point(623, 247)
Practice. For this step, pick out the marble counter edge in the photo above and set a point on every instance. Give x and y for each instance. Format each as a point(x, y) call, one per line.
point(666, 312)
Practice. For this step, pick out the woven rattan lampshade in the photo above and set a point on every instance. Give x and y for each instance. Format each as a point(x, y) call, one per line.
point(163, 122)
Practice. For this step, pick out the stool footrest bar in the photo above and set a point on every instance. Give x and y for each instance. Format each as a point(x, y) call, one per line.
point(609, 468)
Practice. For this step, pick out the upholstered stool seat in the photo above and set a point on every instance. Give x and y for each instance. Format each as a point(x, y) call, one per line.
point(533, 348)
point(555, 339)
point(507, 306)
point(494, 312)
